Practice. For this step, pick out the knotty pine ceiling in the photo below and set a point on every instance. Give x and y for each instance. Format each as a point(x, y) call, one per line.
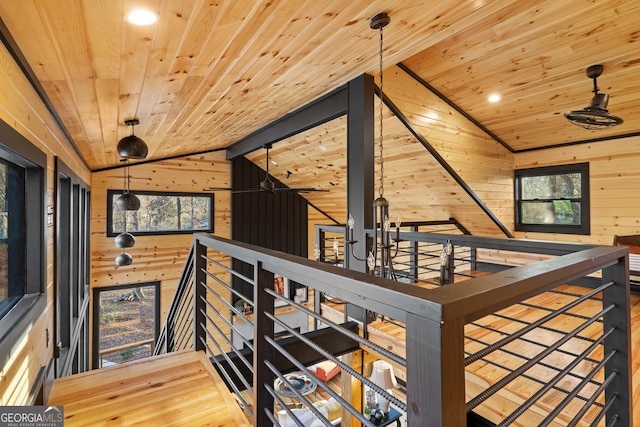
point(211, 72)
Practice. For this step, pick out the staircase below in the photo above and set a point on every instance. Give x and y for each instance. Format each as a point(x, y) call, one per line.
point(174, 389)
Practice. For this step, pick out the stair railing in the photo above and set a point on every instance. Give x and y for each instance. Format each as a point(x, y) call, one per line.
point(177, 331)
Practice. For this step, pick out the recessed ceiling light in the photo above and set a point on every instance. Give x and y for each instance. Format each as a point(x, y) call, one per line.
point(141, 17)
point(494, 97)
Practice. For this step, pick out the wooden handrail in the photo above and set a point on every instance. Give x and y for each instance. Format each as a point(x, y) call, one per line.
point(125, 347)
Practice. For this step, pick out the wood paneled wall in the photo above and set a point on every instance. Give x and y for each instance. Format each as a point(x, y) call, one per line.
point(159, 258)
point(23, 110)
point(614, 182)
point(417, 186)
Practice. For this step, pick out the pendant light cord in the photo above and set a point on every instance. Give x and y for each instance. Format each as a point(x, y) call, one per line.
point(381, 189)
point(126, 189)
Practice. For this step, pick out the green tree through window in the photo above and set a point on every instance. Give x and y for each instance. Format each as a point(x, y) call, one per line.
point(553, 199)
point(162, 213)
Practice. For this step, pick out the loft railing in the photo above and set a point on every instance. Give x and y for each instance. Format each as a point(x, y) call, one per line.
point(443, 336)
point(415, 260)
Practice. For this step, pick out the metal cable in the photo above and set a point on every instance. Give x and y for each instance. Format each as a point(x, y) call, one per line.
point(595, 395)
point(376, 348)
point(249, 345)
point(532, 326)
point(228, 287)
point(225, 355)
point(491, 390)
point(281, 402)
point(292, 388)
point(225, 374)
point(331, 357)
point(605, 409)
point(551, 383)
point(529, 341)
point(343, 403)
point(228, 270)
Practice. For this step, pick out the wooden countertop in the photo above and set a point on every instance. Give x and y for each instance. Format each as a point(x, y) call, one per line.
point(176, 389)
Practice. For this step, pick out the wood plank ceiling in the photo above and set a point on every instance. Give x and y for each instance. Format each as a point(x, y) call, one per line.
point(209, 73)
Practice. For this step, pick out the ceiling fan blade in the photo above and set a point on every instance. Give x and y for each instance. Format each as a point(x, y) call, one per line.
point(217, 189)
point(247, 190)
point(267, 185)
point(300, 190)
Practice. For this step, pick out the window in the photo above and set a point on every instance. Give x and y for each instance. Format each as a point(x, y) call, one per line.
point(161, 213)
point(553, 199)
point(22, 238)
point(12, 238)
point(126, 322)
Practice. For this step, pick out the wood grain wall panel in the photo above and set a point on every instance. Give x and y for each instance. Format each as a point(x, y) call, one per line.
point(156, 257)
point(23, 110)
point(418, 187)
point(614, 182)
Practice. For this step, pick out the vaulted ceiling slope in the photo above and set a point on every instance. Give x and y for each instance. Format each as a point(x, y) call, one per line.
point(209, 73)
point(418, 186)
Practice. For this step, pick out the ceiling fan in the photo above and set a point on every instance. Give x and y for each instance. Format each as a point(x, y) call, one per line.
point(267, 184)
point(595, 115)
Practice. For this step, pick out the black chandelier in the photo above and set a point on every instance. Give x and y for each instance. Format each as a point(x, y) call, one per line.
point(380, 258)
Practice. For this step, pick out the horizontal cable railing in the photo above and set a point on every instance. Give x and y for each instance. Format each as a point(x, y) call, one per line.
point(414, 261)
point(259, 317)
point(459, 268)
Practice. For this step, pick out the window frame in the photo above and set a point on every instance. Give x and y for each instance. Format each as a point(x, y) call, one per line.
point(16, 149)
point(585, 205)
point(114, 192)
point(95, 330)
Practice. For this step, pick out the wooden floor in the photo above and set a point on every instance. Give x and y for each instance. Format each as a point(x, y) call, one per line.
point(177, 389)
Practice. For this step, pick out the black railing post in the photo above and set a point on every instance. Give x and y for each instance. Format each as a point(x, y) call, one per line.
point(262, 350)
point(473, 257)
point(618, 296)
point(320, 236)
point(414, 255)
point(435, 359)
point(317, 300)
point(200, 296)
